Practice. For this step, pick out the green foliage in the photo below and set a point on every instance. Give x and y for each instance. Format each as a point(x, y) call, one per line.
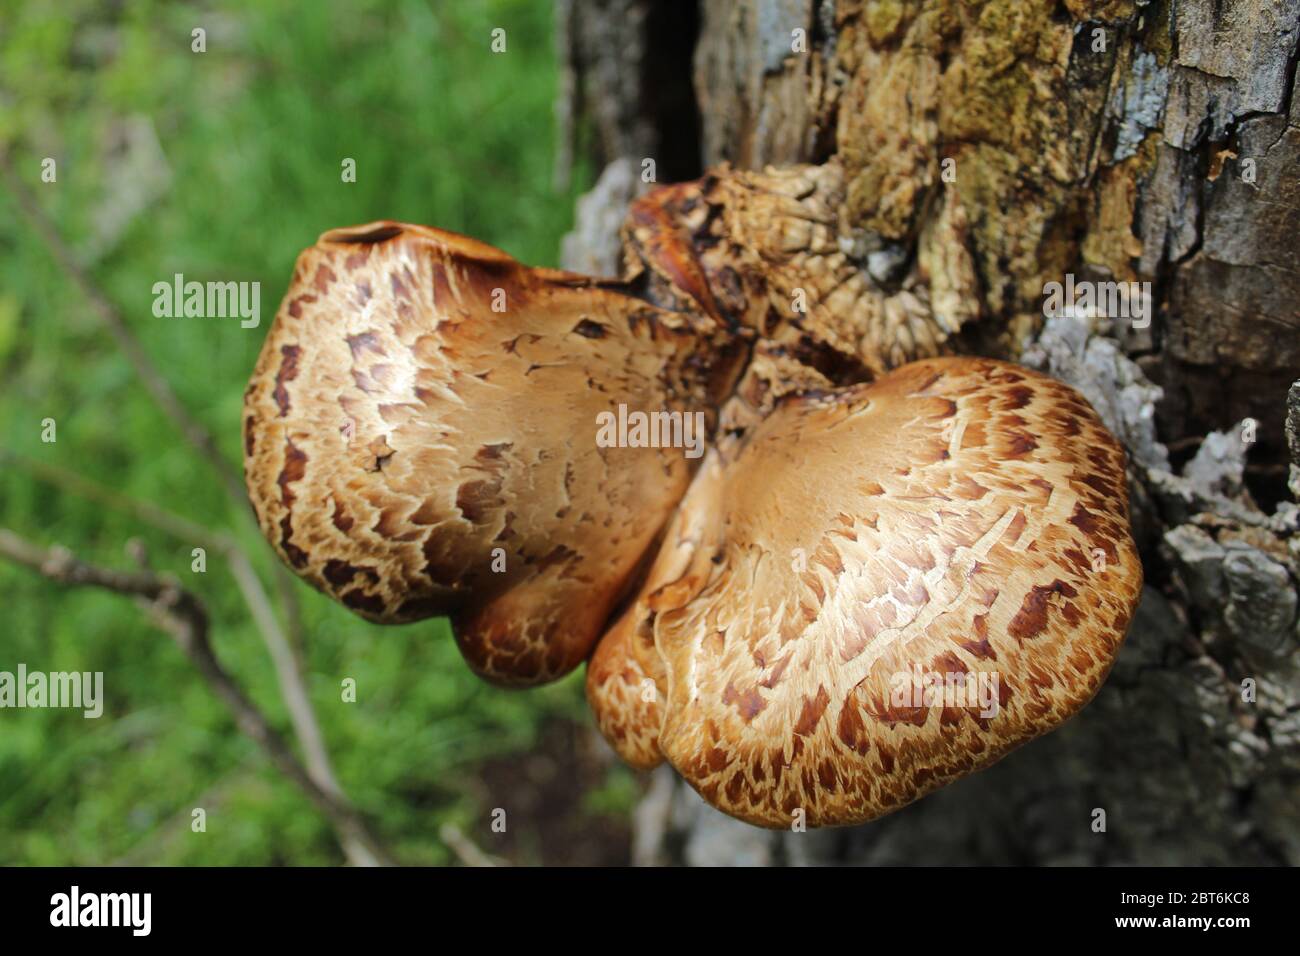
point(250, 139)
point(617, 796)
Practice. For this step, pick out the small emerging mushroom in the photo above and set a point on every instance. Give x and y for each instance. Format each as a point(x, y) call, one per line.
point(873, 582)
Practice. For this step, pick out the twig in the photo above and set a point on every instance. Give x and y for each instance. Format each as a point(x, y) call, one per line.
point(288, 664)
point(158, 387)
point(179, 527)
point(156, 383)
point(183, 616)
point(465, 849)
point(292, 687)
point(153, 379)
point(286, 651)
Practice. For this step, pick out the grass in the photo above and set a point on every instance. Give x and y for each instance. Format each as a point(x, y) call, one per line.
point(222, 165)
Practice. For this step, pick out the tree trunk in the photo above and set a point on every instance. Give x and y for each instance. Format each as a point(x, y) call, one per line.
point(991, 149)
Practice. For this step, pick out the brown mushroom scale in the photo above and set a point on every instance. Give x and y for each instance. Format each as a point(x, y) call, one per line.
point(888, 570)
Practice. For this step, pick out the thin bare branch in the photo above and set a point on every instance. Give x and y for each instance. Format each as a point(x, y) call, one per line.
point(465, 849)
point(153, 379)
point(292, 687)
point(182, 615)
point(178, 526)
point(288, 663)
point(286, 649)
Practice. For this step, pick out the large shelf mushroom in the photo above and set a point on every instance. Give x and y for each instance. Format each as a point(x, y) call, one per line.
point(874, 582)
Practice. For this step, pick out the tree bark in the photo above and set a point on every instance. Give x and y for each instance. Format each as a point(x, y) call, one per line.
point(991, 149)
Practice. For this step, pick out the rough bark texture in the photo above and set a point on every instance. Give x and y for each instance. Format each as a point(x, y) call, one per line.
point(989, 149)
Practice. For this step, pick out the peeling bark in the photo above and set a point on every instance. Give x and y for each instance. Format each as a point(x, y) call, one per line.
point(989, 148)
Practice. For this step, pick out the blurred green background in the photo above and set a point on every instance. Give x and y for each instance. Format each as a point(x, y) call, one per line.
point(223, 165)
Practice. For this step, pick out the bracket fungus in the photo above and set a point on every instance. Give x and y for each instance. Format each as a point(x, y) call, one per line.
point(889, 568)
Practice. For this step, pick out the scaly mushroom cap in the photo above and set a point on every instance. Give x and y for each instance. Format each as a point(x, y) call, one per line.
point(959, 520)
point(420, 439)
point(864, 591)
